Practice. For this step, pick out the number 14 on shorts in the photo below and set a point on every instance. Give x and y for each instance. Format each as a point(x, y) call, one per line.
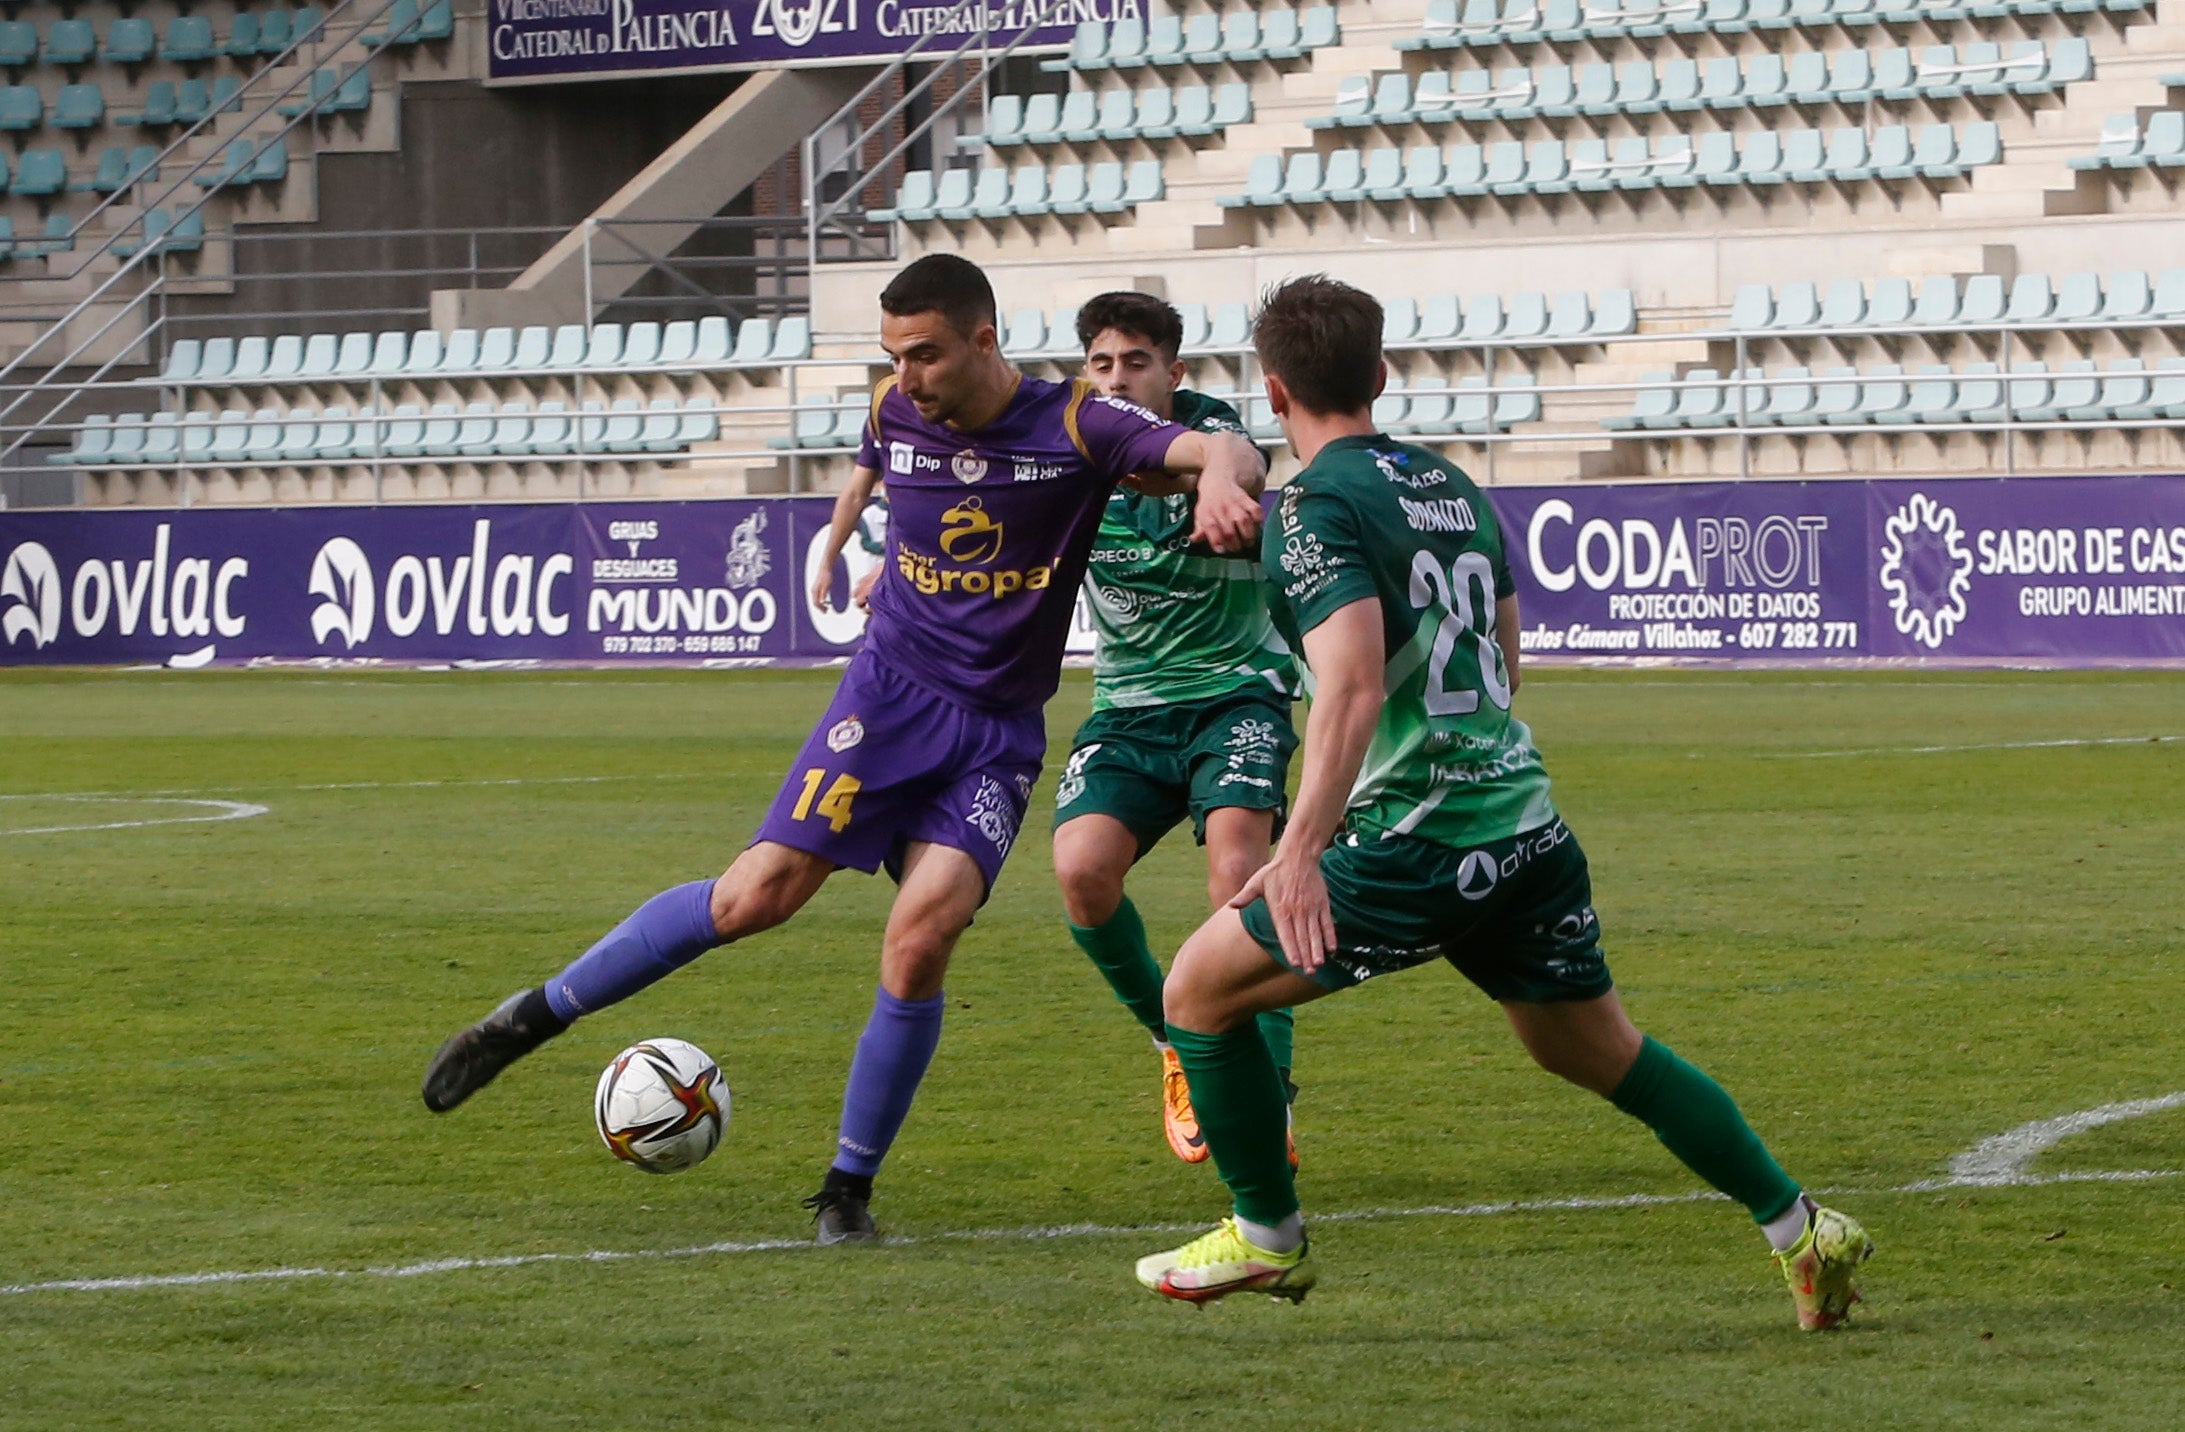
point(833, 806)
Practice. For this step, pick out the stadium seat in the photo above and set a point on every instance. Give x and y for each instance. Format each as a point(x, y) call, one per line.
point(70, 42)
point(130, 41)
point(40, 172)
point(2126, 295)
point(276, 30)
point(189, 39)
point(1164, 42)
point(18, 43)
point(21, 107)
point(792, 339)
point(79, 106)
point(398, 25)
point(242, 42)
point(1651, 405)
point(314, 94)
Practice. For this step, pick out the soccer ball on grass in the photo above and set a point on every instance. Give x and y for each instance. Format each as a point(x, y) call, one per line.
point(662, 1105)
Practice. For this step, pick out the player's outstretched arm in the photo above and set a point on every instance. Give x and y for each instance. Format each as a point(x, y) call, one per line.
point(1344, 653)
point(1506, 630)
point(1228, 474)
point(849, 504)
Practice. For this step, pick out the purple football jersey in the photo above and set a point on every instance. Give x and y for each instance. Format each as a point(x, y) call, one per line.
point(989, 533)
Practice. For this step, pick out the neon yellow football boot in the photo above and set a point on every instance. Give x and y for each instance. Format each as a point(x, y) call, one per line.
point(1821, 1266)
point(1224, 1261)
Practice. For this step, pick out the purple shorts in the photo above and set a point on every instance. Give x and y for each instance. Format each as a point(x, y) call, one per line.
point(891, 762)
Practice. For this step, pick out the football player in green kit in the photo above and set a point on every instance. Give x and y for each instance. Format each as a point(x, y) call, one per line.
point(1423, 830)
point(1191, 700)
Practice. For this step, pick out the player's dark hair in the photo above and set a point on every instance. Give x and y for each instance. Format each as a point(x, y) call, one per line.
point(1322, 338)
point(953, 287)
point(1139, 314)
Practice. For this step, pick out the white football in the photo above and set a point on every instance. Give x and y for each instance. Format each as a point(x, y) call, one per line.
point(662, 1105)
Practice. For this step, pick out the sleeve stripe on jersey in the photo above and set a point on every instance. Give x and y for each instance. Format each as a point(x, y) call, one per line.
point(1080, 390)
point(880, 392)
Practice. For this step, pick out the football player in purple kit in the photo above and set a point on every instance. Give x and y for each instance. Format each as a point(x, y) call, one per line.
point(925, 759)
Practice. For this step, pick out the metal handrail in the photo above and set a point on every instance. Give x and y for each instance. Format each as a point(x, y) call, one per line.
point(821, 214)
point(136, 262)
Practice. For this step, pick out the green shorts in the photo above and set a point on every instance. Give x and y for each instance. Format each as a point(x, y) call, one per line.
point(1514, 916)
point(1150, 766)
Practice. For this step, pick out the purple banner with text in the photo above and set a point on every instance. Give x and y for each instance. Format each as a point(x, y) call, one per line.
point(653, 580)
point(2069, 570)
point(599, 39)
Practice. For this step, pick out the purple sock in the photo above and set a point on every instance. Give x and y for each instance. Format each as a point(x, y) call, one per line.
point(664, 934)
point(892, 1056)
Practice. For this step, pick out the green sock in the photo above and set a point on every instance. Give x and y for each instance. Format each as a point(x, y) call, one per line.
point(1279, 1028)
point(1119, 951)
point(1697, 1120)
point(1238, 1098)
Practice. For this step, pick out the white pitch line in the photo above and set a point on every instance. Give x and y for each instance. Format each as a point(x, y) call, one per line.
point(222, 810)
point(2005, 1156)
point(358, 786)
point(1043, 1234)
point(1978, 746)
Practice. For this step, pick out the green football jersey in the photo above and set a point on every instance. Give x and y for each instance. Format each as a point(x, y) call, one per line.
point(1177, 624)
point(1375, 519)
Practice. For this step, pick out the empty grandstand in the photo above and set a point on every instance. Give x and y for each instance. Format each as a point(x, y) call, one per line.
point(370, 252)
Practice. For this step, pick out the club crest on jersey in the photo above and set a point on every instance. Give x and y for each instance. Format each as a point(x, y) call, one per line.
point(968, 534)
point(844, 734)
point(968, 466)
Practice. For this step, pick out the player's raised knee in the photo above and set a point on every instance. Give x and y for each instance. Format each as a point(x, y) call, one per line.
point(1090, 893)
point(744, 905)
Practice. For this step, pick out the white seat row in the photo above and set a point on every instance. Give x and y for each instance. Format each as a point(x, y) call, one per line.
point(466, 352)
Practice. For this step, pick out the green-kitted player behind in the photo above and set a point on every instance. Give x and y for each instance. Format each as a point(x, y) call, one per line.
point(1191, 700)
point(1423, 830)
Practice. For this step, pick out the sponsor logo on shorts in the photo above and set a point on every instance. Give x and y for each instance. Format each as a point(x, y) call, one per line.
point(1238, 778)
point(968, 466)
point(1478, 872)
point(993, 814)
point(1476, 875)
point(1372, 961)
point(1251, 742)
point(844, 734)
point(1072, 784)
point(1575, 925)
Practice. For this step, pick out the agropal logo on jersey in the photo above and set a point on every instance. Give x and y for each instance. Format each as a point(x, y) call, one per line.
point(1926, 569)
point(970, 541)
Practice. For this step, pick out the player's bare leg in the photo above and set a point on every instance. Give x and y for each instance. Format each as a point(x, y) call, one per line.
point(765, 885)
point(1093, 853)
point(1594, 1045)
point(1221, 983)
point(941, 890)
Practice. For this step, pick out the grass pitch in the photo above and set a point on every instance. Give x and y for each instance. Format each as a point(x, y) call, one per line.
point(215, 1031)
